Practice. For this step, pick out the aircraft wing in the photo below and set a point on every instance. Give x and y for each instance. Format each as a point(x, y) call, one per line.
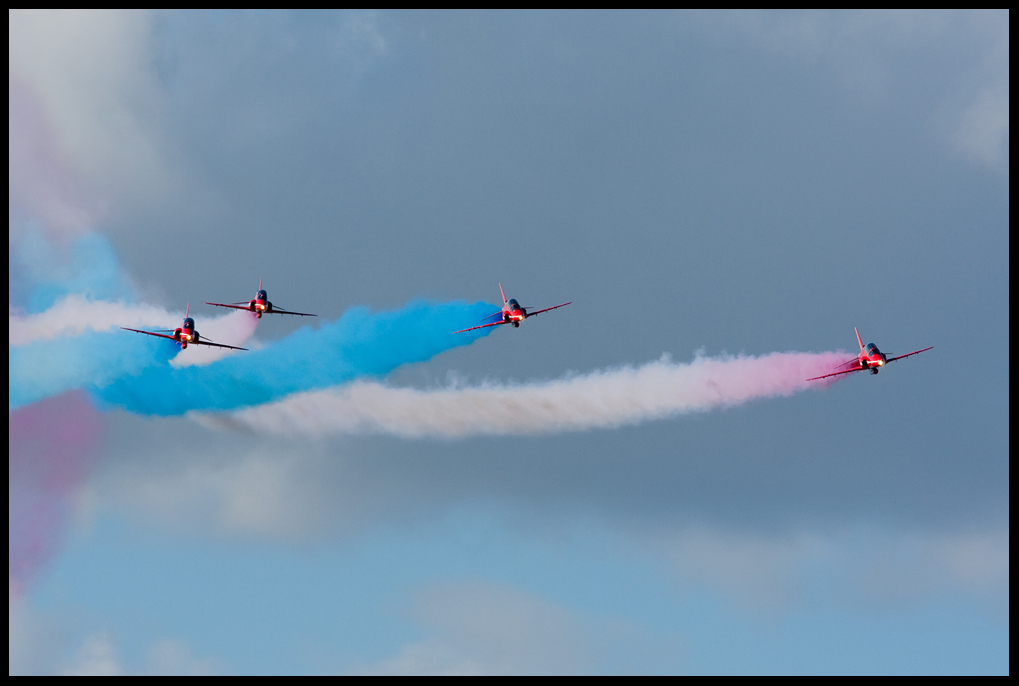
point(276, 310)
point(547, 309)
point(236, 307)
point(483, 326)
point(216, 345)
point(915, 352)
point(149, 333)
point(844, 371)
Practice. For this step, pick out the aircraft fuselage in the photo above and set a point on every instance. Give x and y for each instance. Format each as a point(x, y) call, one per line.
point(871, 358)
point(513, 313)
point(260, 303)
point(186, 333)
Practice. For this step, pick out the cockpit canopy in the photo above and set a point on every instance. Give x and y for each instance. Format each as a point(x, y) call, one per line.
point(514, 303)
point(872, 349)
point(262, 295)
point(189, 323)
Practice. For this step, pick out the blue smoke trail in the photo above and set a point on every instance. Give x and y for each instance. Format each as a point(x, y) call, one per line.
point(39, 273)
point(47, 368)
point(127, 370)
point(358, 344)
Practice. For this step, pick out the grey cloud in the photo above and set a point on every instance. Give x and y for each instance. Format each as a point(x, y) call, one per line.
point(877, 52)
point(90, 71)
point(749, 533)
point(752, 468)
point(685, 192)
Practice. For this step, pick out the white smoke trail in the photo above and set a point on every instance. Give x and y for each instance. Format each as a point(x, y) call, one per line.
point(234, 328)
point(600, 399)
point(75, 314)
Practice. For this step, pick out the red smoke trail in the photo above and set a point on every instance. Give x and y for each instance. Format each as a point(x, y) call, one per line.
point(53, 446)
point(39, 182)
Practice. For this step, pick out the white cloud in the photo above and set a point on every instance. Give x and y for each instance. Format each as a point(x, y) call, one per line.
point(96, 657)
point(858, 566)
point(38, 644)
point(479, 627)
point(34, 641)
point(361, 38)
point(429, 657)
point(175, 657)
point(982, 134)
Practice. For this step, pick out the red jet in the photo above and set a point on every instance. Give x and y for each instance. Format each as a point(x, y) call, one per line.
point(184, 334)
point(260, 305)
point(511, 313)
point(869, 358)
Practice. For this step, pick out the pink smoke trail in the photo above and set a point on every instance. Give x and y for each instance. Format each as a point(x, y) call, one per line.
point(52, 447)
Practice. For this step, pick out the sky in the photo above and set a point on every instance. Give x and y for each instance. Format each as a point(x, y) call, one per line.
point(640, 482)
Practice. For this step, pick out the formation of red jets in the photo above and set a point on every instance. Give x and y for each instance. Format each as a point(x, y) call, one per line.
point(869, 359)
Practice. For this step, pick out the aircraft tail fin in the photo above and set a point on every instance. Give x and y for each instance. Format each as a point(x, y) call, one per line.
point(858, 339)
point(259, 283)
point(504, 301)
point(186, 310)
